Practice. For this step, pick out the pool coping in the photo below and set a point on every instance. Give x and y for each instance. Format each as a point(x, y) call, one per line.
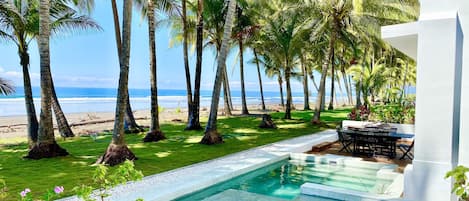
point(182, 181)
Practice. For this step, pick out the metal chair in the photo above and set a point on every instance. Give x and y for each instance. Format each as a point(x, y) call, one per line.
point(407, 150)
point(345, 140)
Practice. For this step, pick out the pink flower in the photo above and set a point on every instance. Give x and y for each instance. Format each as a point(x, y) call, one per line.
point(25, 192)
point(59, 189)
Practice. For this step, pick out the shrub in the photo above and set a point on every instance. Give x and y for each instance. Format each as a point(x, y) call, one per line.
point(362, 114)
point(461, 184)
point(394, 113)
point(105, 180)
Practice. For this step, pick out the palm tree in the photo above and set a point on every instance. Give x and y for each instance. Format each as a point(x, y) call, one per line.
point(332, 24)
point(19, 23)
point(193, 122)
point(285, 31)
point(211, 134)
point(188, 29)
point(259, 77)
point(214, 13)
point(148, 8)
point(243, 30)
point(45, 146)
point(118, 152)
point(6, 87)
point(155, 134)
point(305, 73)
point(129, 118)
point(272, 69)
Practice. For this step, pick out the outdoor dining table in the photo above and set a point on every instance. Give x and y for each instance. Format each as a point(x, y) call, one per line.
point(375, 140)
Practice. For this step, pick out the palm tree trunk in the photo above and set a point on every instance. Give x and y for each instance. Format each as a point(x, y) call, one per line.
point(129, 118)
point(280, 84)
point(360, 84)
point(155, 134)
point(289, 95)
point(211, 134)
point(305, 84)
point(226, 92)
point(226, 98)
point(347, 89)
point(28, 96)
point(46, 146)
point(241, 71)
point(322, 86)
point(331, 103)
point(186, 60)
point(62, 123)
point(130, 122)
point(194, 114)
point(260, 79)
point(118, 152)
point(403, 93)
point(314, 81)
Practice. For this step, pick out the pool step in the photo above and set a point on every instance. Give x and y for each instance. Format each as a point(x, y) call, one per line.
point(344, 180)
point(327, 171)
point(238, 195)
point(339, 174)
point(332, 165)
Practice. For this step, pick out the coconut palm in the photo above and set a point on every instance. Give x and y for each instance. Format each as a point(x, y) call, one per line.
point(243, 30)
point(373, 79)
point(45, 146)
point(155, 133)
point(211, 134)
point(117, 151)
point(193, 122)
point(273, 69)
point(284, 32)
point(332, 26)
point(6, 87)
point(214, 14)
point(19, 23)
point(129, 118)
point(149, 7)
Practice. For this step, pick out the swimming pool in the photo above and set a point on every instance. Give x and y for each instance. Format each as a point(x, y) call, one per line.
point(283, 180)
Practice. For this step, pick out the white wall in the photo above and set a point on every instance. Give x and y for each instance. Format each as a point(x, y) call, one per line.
point(428, 10)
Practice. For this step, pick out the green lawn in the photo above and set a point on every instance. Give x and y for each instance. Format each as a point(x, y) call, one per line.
point(180, 149)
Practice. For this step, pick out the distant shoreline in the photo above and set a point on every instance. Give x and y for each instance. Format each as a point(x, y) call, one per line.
point(13, 129)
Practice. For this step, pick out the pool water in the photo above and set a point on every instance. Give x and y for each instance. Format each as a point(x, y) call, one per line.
point(283, 180)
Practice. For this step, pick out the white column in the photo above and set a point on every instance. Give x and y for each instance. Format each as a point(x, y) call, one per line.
point(464, 133)
point(439, 68)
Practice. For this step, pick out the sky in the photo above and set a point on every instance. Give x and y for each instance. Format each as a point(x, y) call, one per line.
point(89, 59)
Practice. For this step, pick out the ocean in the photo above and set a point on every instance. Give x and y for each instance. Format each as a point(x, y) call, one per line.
point(84, 100)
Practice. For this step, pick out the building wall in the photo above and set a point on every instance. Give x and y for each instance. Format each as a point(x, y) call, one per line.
point(430, 9)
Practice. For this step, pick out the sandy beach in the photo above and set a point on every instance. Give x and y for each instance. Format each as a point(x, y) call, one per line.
point(15, 127)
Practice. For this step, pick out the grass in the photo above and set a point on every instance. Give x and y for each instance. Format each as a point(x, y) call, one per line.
point(180, 149)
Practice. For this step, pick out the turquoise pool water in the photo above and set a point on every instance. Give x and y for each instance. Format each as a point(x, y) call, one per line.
point(283, 180)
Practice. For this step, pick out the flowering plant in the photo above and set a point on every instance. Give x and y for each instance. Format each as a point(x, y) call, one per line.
point(362, 114)
point(26, 195)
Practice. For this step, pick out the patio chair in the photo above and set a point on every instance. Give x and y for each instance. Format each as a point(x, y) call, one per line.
point(344, 139)
point(407, 150)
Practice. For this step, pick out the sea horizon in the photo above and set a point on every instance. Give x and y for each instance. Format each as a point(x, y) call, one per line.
point(86, 100)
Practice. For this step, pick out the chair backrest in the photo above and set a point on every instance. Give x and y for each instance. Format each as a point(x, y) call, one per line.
point(401, 128)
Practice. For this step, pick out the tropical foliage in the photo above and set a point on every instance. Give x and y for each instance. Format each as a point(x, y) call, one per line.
point(461, 183)
point(6, 87)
